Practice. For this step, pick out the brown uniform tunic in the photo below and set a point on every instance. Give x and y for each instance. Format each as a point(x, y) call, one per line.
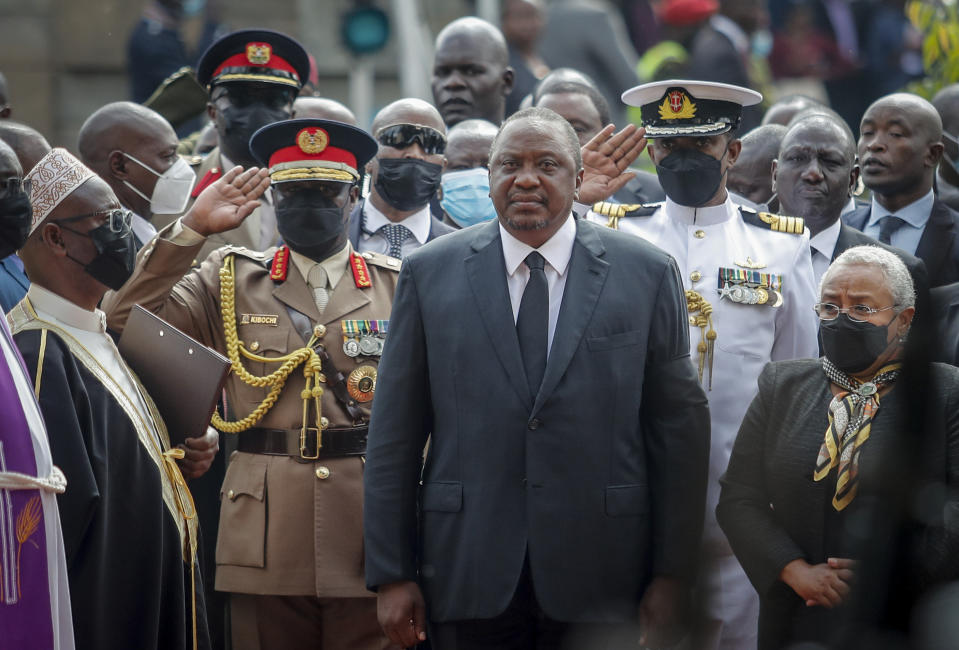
point(286, 527)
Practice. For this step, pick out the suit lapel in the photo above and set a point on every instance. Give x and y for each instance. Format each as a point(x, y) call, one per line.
point(858, 217)
point(843, 242)
point(937, 240)
point(485, 272)
point(586, 276)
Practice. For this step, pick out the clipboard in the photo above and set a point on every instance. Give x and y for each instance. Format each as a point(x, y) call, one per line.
point(184, 377)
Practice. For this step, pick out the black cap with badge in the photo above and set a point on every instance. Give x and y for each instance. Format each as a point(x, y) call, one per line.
point(677, 107)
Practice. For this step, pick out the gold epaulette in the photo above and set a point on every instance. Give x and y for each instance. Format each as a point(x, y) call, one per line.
point(616, 211)
point(774, 222)
point(382, 261)
point(780, 223)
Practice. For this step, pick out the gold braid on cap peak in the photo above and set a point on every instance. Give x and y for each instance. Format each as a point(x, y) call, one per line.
point(312, 174)
point(277, 379)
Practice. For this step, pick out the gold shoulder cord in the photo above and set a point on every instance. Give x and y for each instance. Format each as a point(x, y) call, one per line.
point(275, 380)
point(701, 315)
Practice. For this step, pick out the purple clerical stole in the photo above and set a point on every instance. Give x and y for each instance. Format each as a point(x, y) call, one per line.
point(25, 609)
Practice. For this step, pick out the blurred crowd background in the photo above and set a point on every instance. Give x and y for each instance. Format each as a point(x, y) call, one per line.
point(64, 59)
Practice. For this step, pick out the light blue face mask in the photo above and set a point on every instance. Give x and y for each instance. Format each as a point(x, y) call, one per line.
point(466, 196)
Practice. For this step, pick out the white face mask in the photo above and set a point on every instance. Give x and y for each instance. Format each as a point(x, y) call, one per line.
point(172, 191)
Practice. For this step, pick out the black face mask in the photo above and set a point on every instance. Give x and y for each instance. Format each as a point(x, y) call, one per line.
point(15, 217)
point(406, 183)
point(311, 224)
point(115, 259)
point(689, 177)
point(240, 123)
point(852, 346)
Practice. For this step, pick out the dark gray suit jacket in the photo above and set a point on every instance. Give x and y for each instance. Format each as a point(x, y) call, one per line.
point(599, 478)
point(938, 246)
point(850, 237)
point(773, 512)
point(437, 227)
point(945, 306)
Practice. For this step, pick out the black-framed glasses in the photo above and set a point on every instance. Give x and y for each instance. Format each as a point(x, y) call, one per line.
point(401, 136)
point(117, 220)
point(15, 184)
point(858, 313)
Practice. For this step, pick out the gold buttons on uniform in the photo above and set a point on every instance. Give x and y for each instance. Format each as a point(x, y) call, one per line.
point(695, 276)
point(321, 378)
point(254, 346)
point(231, 495)
point(319, 331)
point(324, 422)
point(699, 234)
point(322, 472)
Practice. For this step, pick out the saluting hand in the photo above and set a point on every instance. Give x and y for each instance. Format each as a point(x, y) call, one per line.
point(605, 160)
point(226, 203)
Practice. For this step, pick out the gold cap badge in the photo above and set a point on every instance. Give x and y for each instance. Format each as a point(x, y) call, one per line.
point(258, 53)
point(677, 106)
point(312, 140)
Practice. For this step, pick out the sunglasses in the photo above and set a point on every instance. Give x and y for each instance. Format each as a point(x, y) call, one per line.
point(117, 220)
point(13, 185)
point(401, 136)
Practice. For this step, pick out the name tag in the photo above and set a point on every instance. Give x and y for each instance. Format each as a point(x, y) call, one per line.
point(259, 319)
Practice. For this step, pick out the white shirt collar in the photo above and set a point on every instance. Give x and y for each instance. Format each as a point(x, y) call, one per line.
point(556, 251)
point(418, 222)
point(728, 28)
point(708, 216)
point(825, 240)
point(65, 311)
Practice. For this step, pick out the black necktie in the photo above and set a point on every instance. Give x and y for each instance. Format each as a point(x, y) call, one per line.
point(532, 323)
point(887, 226)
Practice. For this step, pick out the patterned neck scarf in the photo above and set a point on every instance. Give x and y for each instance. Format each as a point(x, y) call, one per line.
point(850, 420)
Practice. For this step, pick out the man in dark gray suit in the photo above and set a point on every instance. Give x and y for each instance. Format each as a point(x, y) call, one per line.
point(397, 217)
point(565, 480)
point(900, 145)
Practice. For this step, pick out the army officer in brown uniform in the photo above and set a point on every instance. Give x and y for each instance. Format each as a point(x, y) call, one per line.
point(304, 325)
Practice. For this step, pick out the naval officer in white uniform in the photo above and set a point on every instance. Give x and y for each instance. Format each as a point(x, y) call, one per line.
point(750, 294)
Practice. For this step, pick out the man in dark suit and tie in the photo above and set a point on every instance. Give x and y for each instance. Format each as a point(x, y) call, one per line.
point(814, 175)
point(899, 149)
point(396, 218)
point(546, 361)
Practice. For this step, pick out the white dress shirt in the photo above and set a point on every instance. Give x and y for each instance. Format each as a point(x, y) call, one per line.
point(90, 329)
point(823, 245)
point(556, 251)
point(372, 220)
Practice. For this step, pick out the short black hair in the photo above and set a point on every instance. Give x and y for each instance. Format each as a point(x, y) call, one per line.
point(599, 102)
point(540, 114)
